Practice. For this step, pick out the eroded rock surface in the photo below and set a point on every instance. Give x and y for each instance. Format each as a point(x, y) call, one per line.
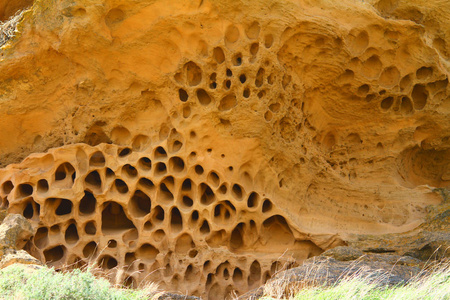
point(378, 269)
point(154, 213)
point(15, 232)
point(430, 241)
point(204, 143)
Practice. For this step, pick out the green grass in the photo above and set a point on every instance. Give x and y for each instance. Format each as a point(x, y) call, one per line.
point(16, 282)
point(435, 286)
point(19, 282)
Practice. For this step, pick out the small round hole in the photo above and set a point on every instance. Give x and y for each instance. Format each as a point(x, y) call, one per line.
point(183, 95)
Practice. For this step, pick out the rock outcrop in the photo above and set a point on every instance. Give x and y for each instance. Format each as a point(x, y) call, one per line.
point(341, 264)
point(429, 241)
point(202, 144)
point(15, 231)
point(154, 212)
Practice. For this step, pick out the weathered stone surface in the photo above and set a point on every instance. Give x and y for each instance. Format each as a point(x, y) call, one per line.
point(431, 240)
point(343, 253)
point(328, 271)
point(149, 213)
point(9, 8)
point(15, 231)
point(196, 142)
point(378, 269)
point(12, 256)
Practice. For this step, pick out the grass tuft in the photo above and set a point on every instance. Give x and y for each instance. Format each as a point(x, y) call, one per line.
point(21, 282)
point(8, 28)
point(432, 284)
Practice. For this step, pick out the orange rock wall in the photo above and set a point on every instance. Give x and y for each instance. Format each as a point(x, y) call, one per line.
point(335, 112)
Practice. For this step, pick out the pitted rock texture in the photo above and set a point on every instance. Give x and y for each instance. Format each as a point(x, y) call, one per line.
point(337, 112)
point(154, 213)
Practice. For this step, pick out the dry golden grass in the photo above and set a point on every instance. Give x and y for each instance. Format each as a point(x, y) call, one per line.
point(433, 282)
point(8, 28)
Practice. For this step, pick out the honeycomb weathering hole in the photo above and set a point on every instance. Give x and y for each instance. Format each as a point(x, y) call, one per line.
point(55, 254)
point(97, 159)
point(24, 190)
point(166, 211)
point(114, 218)
point(71, 235)
point(88, 203)
point(7, 187)
point(140, 204)
point(90, 228)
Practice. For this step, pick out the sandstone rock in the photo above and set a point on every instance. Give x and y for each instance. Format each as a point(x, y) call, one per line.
point(15, 231)
point(401, 260)
point(154, 212)
point(11, 256)
point(3, 214)
point(434, 250)
point(328, 271)
point(429, 241)
point(9, 8)
point(203, 144)
point(343, 253)
point(383, 270)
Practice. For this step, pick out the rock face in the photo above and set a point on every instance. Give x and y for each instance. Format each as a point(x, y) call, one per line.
point(204, 143)
point(9, 8)
point(341, 264)
point(156, 212)
point(15, 231)
point(429, 241)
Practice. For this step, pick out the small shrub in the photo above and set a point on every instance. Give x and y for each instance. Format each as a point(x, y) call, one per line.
point(19, 282)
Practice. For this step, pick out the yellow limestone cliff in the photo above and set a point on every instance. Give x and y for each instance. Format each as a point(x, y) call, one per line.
point(203, 144)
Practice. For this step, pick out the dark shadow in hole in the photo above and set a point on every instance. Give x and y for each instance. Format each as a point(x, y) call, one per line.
point(176, 220)
point(54, 254)
point(207, 195)
point(114, 218)
point(140, 204)
point(71, 235)
point(87, 203)
point(121, 186)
